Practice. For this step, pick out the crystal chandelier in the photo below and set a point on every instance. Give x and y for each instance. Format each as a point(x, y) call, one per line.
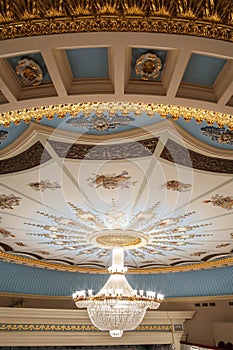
point(117, 307)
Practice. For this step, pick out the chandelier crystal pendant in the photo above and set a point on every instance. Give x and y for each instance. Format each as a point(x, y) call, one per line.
point(117, 307)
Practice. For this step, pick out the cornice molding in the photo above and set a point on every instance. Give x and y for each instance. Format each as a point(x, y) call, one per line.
point(62, 110)
point(197, 18)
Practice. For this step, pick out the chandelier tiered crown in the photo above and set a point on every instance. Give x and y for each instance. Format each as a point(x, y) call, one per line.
point(117, 307)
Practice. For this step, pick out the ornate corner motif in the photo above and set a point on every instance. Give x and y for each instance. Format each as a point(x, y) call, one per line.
point(101, 122)
point(136, 109)
point(29, 72)
point(3, 135)
point(219, 135)
point(178, 154)
point(148, 66)
point(208, 19)
point(31, 157)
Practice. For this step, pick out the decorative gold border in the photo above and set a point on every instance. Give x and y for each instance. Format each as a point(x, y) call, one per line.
point(153, 270)
point(16, 327)
point(164, 111)
point(208, 19)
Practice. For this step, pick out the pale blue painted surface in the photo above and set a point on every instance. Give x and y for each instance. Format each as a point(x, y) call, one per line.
point(88, 63)
point(29, 280)
point(203, 70)
point(194, 129)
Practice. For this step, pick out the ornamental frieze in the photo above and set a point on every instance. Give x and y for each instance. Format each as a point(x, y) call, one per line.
point(206, 19)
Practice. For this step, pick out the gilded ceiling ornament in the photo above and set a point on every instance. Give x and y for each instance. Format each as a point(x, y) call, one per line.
point(20, 244)
point(101, 122)
point(220, 135)
point(214, 20)
point(3, 135)
point(9, 201)
point(5, 233)
point(124, 108)
point(176, 185)
point(143, 235)
point(44, 185)
point(148, 66)
point(198, 254)
point(111, 181)
point(223, 245)
point(221, 201)
point(29, 72)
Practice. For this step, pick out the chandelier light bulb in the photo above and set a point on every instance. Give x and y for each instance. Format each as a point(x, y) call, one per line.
point(117, 307)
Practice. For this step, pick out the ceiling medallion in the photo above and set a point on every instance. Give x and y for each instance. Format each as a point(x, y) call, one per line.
point(100, 122)
point(29, 72)
point(148, 66)
point(96, 233)
point(108, 239)
point(124, 108)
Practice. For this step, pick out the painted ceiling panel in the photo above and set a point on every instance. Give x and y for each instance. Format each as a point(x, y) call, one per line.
point(88, 62)
point(73, 210)
point(203, 70)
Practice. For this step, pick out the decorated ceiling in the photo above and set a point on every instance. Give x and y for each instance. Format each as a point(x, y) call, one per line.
point(116, 139)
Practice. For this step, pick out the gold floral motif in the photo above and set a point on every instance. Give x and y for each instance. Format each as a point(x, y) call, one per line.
point(148, 66)
point(124, 107)
point(29, 72)
point(209, 19)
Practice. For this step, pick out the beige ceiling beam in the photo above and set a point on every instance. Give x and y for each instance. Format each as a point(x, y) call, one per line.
point(223, 86)
point(8, 84)
point(175, 67)
point(119, 56)
point(54, 72)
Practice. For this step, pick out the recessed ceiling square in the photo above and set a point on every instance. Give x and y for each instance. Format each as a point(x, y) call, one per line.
point(37, 58)
point(88, 62)
point(136, 53)
point(203, 70)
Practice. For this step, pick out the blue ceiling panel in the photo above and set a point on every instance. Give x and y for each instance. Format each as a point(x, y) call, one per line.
point(37, 57)
point(89, 62)
point(137, 52)
point(203, 70)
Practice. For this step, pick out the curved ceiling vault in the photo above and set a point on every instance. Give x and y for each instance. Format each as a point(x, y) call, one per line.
point(116, 129)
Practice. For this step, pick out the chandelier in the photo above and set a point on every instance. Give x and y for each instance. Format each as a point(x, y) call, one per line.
point(117, 307)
